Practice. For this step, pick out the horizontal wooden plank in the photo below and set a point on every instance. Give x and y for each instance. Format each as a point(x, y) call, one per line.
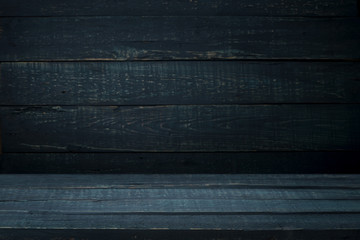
point(166, 38)
point(126, 194)
point(180, 162)
point(181, 222)
point(189, 82)
point(180, 206)
point(162, 234)
point(180, 128)
point(167, 181)
point(178, 7)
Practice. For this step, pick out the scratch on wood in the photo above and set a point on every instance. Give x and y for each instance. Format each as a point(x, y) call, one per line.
point(43, 146)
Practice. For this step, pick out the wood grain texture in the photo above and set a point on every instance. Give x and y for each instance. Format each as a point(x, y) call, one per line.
point(153, 194)
point(180, 206)
point(218, 222)
point(181, 128)
point(178, 38)
point(178, 8)
point(67, 101)
point(189, 82)
point(97, 202)
point(179, 162)
point(178, 181)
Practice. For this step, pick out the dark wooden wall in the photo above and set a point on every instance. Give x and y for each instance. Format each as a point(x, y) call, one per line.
point(173, 86)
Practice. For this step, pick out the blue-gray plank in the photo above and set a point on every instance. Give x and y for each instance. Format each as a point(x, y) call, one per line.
point(178, 7)
point(181, 128)
point(178, 38)
point(178, 82)
point(180, 162)
point(180, 202)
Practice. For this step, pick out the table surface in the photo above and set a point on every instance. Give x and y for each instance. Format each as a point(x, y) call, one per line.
point(180, 202)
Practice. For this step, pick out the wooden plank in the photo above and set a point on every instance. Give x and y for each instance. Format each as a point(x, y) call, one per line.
point(178, 7)
point(167, 181)
point(190, 128)
point(85, 207)
point(190, 82)
point(180, 222)
point(180, 162)
point(180, 206)
point(162, 234)
point(126, 194)
point(163, 38)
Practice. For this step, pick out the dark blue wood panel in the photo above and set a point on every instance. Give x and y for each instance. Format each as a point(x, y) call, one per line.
point(178, 38)
point(179, 162)
point(179, 82)
point(181, 128)
point(178, 8)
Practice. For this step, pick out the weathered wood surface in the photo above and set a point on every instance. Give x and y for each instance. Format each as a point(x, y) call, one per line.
point(167, 181)
point(301, 31)
point(181, 128)
point(182, 207)
point(260, 222)
point(69, 202)
point(180, 162)
point(178, 7)
point(175, 38)
point(190, 82)
point(109, 194)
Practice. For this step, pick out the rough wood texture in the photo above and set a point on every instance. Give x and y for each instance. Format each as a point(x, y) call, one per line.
point(234, 162)
point(157, 181)
point(168, 206)
point(181, 128)
point(107, 194)
point(166, 38)
point(180, 202)
point(260, 222)
point(224, 207)
point(178, 7)
point(283, 96)
point(189, 82)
